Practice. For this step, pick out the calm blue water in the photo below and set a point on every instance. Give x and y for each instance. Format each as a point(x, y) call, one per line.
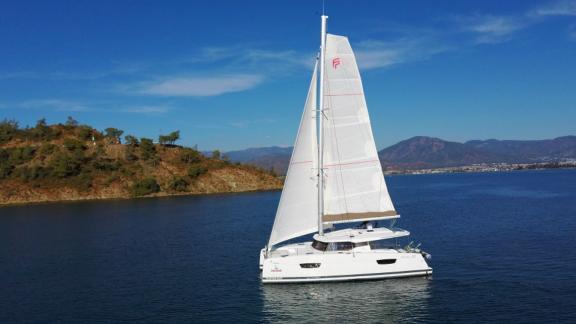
point(503, 246)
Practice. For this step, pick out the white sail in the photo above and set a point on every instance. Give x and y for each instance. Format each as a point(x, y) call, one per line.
point(297, 212)
point(354, 183)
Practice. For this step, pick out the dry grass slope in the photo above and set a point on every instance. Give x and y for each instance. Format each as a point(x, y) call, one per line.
point(77, 162)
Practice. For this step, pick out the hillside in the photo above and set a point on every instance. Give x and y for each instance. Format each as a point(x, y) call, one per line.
point(530, 151)
point(75, 162)
point(427, 152)
point(273, 158)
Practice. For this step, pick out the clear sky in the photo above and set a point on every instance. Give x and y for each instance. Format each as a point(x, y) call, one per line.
point(234, 74)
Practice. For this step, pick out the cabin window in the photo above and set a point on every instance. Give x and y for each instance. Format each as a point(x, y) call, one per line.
point(386, 261)
point(309, 265)
point(340, 246)
point(360, 244)
point(320, 246)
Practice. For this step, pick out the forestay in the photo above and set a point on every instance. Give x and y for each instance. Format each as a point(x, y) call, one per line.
point(297, 212)
point(354, 182)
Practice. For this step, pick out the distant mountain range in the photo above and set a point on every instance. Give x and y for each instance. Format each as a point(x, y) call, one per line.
point(428, 152)
point(270, 158)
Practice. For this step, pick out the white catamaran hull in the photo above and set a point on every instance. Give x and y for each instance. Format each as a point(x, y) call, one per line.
point(342, 266)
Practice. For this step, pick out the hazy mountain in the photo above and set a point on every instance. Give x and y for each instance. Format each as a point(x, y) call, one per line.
point(428, 152)
point(270, 158)
point(529, 151)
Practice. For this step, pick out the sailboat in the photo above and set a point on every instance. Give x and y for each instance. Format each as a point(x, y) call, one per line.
point(335, 179)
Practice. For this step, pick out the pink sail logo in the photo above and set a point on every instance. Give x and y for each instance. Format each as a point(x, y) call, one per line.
point(335, 63)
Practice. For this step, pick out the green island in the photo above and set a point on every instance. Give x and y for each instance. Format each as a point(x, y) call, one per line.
point(73, 161)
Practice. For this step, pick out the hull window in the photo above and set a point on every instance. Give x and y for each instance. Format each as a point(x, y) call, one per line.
point(320, 246)
point(386, 261)
point(309, 265)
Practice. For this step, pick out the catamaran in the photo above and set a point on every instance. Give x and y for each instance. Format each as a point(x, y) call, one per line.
point(335, 178)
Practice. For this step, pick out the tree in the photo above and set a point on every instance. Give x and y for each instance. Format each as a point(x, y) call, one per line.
point(131, 140)
point(216, 155)
point(114, 133)
point(42, 131)
point(174, 136)
point(178, 184)
point(145, 187)
point(71, 122)
point(85, 132)
point(169, 139)
point(8, 129)
point(190, 156)
point(65, 165)
point(147, 150)
point(196, 170)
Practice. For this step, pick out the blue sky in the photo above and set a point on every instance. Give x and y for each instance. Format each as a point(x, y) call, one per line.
point(234, 74)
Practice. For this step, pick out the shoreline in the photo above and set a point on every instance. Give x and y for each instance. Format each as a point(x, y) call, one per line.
point(153, 196)
point(485, 168)
point(179, 194)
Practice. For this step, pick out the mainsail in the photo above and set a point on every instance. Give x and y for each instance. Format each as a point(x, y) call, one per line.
point(297, 212)
point(354, 187)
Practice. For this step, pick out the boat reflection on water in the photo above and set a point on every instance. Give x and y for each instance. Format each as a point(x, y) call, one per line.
point(384, 301)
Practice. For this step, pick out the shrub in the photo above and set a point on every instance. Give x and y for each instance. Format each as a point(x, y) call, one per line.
point(145, 187)
point(106, 165)
point(131, 140)
point(85, 132)
point(65, 165)
point(129, 154)
point(82, 182)
point(28, 174)
point(8, 129)
point(196, 170)
point(5, 170)
point(74, 145)
point(19, 155)
point(46, 149)
point(190, 156)
point(42, 132)
point(178, 184)
point(216, 155)
point(114, 133)
point(147, 150)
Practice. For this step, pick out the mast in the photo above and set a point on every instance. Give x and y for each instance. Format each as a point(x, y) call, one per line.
point(320, 118)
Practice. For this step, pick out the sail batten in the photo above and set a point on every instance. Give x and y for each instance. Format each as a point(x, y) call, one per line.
point(341, 218)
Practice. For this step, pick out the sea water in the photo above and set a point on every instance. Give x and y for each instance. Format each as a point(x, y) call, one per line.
point(503, 249)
